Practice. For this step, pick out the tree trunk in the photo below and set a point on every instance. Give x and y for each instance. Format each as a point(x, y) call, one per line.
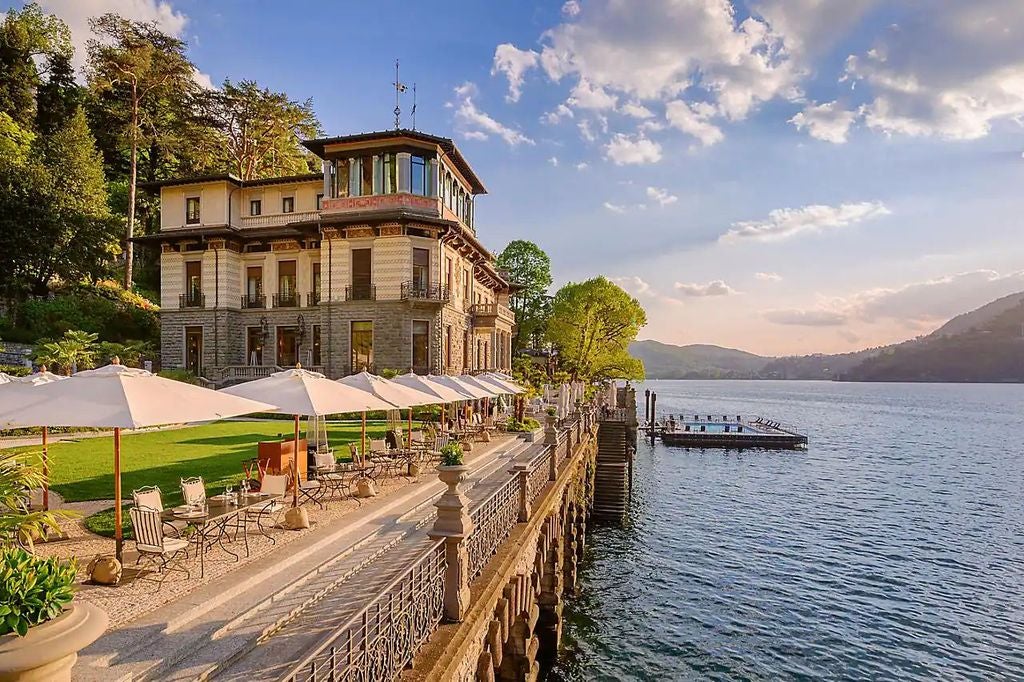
point(129, 247)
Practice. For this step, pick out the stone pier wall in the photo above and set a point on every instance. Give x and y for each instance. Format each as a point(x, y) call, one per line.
point(514, 620)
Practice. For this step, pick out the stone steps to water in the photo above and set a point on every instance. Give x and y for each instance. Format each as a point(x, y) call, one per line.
point(188, 639)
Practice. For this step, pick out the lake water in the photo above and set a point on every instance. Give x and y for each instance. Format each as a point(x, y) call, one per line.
point(893, 548)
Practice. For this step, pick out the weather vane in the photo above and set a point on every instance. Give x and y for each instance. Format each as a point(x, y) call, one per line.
point(399, 89)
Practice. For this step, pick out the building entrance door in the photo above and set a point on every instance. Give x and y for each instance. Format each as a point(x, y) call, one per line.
point(194, 350)
point(287, 347)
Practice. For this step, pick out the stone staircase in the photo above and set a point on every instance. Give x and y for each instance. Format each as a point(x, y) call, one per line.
point(611, 478)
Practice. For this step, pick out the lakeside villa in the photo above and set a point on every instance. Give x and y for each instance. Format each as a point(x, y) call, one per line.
point(372, 264)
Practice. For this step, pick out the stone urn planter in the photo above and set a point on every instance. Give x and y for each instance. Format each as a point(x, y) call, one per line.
point(451, 506)
point(49, 650)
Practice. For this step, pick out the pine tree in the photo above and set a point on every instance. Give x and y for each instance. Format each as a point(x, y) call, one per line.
point(59, 97)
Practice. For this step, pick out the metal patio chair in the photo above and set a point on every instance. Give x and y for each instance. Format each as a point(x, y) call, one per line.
point(165, 553)
point(149, 496)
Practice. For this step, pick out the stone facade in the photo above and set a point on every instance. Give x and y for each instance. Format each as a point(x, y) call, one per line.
point(237, 277)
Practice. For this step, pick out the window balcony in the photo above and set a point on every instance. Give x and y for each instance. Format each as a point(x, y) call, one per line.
point(485, 315)
point(312, 299)
point(277, 219)
point(254, 301)
point(417, 291)
point(361, 292)
point(193, 299)
point(290, 300)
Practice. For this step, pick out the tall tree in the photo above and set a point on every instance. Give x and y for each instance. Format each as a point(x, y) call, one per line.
point(137, 62)
point(592, 324)
point(262, 130)
point(529, 267)
point(54, 218)
point(29, 40)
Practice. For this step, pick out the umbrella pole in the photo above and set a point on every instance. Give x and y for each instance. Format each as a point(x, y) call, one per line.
point(442, 418)
point(118, 539)
point(362, 452)
point(295, 466)
point(408, 441)
point(46, 474)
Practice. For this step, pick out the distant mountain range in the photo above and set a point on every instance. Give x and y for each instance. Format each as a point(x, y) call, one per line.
point(984, 345)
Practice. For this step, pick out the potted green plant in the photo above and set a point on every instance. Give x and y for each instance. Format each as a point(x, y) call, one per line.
point(41, 628)
point(451, 455)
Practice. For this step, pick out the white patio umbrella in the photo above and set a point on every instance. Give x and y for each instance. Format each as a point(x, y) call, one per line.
point(501, 381)
point(427, 384)
point(492, 390)
point(302, 393)
point(120, 397)
point(12, 390)
point(398, 395)
point(470, 391)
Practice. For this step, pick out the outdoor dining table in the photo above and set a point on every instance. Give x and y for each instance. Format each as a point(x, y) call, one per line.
point(211, 523)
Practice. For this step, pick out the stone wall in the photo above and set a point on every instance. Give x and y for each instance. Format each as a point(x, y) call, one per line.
point(14, 353)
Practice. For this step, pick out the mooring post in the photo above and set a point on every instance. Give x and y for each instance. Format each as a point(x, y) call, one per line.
point(647, 406)
point(654, 414)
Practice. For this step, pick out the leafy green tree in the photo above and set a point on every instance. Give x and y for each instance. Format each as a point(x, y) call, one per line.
point(529, 267)
point(59, 98)
point(54, 217)
point(28, 38)
point(74, 351)
point(262, 130)
point(135, 62)
point(592, 324)
point(15, 141)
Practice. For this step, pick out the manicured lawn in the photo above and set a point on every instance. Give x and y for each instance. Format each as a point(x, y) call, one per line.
point(84, 470)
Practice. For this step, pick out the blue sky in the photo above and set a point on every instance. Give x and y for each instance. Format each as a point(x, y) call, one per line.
point(782, 176)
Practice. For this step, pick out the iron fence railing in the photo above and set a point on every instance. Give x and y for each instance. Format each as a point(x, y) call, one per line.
point(381, 640)
point(417, 291)
point(254, 301)
point(361, 292)
point(539, 475)
point(289, 300)
point(192, 300)
point(312, 299)
point(493, 520)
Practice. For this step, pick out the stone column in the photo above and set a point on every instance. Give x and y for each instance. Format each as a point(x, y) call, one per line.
point(455, 526)
point(522, 472)
point(551, 439)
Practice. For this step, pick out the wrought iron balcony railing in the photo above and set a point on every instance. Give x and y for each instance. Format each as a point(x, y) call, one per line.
point(254, 301)
point(290, 300)
point(193, 299)
point(419, 291)
point(313, 299)
point(361, 292)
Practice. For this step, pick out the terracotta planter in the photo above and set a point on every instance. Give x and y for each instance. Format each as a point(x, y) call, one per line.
point(48, 651)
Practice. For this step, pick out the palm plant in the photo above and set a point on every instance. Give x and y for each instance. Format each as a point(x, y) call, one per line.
point(20, 474)
point(73, 351)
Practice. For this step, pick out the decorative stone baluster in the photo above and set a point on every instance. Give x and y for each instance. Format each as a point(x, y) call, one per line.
point(522, 472)
point(454, 524)
point(551, 439)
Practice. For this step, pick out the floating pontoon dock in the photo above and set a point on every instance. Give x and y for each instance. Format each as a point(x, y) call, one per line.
point(724, 431)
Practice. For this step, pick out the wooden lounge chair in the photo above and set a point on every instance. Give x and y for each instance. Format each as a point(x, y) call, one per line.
point(163, 552)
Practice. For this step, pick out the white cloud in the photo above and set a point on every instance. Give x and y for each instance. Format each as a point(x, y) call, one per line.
point(662, 196)
point(614, 208)
point(203, 80)
point(625, 150)
point(920, 306)
point(693, 119)
point(828, 122)
point(571, 8)
point(952, 73)
point(556, 115)
point(784, 223)
point(553, 161)
point(586, 95)
point(76, 14)
point(513, 63)
point(636, 110)
point(478, 125)
point(634, 285)
point(585, 131)
point(806, 318)
point(582, 165)
point(768, 276)
point(714, 288)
